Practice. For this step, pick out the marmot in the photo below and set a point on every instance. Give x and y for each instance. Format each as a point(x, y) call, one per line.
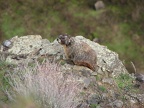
point(78, 51)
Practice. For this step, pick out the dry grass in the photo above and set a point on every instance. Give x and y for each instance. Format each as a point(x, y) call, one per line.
point(45, 84)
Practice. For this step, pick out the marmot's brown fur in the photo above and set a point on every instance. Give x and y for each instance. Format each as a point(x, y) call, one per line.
point(78, 51)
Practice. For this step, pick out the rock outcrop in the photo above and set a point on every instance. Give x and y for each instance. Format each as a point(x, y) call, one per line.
point(99, 87)
point(28, 48)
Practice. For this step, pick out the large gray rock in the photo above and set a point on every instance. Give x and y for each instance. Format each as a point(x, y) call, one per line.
point(27, 48)
point(22, 48)
point(32, 46)
point(100, 92)
point(25, 44)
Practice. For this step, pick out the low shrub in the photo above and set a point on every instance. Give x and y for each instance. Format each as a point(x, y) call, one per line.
point(46, 84)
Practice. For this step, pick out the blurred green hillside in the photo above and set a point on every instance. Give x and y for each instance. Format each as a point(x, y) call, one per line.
point(119, 26)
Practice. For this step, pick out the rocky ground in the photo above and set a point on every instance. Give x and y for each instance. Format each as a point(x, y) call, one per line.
point(111, 86)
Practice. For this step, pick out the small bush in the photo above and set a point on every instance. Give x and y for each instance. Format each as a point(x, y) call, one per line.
point(46, 84)
point(124, 81)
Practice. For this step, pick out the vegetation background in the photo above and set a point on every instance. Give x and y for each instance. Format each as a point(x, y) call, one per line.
point(119, 26)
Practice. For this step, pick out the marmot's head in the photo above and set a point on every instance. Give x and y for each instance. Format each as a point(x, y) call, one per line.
point(64, 40)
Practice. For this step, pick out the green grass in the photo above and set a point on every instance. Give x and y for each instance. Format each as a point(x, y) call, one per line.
point(125, 47)
point(94, 106)
point(3, 81)
point(12, 26)
point(97, 77)
point(125, 85)
point(124, 81)
point(124, 28)
point(102, 88)
point(82, 93)
point(123, 44)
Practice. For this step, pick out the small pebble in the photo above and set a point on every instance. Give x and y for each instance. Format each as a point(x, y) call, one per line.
point(7, 44)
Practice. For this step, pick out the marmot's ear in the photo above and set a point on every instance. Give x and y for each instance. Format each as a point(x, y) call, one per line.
point(60, 36)
point(65, 37)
